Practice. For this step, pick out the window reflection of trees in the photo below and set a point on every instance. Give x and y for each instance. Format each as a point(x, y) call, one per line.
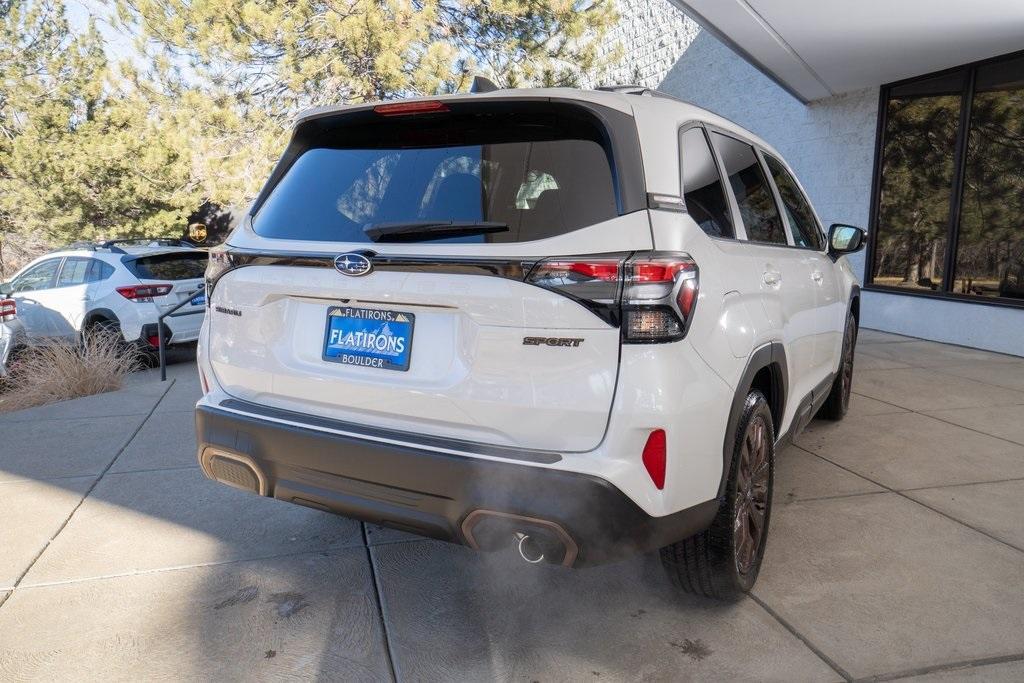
point(990, 253)
point(917, 175)
point(918, 165)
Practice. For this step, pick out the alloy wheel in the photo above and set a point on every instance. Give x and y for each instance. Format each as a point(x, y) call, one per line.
point(751, 496)
point(847, 370)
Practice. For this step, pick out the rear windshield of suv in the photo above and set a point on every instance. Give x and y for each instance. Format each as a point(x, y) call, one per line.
point(175, 266)
point(527, 174)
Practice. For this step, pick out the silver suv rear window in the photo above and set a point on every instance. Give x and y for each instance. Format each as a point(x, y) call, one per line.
point(535, 174)
point(187, 265)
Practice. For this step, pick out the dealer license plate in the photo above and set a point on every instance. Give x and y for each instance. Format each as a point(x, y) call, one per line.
point(369, 337)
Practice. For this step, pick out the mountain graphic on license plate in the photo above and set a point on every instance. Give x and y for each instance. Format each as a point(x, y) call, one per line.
point(369, 337)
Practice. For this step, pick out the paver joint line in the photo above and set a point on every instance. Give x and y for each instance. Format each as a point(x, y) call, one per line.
point(380, 603)
point(183, 567)
point(802, 638)
point(88, 491)
point(952, 666)
point(901, 494)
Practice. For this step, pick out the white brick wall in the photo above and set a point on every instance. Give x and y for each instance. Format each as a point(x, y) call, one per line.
point(652, 35)
point(829, 143)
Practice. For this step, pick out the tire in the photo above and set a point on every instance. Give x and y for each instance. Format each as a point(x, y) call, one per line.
point(838, 401)
point(723, 562)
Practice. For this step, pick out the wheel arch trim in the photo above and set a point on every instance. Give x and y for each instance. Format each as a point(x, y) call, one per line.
point(771, 356)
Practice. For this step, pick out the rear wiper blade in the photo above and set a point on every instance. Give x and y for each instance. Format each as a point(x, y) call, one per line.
point(430, 230)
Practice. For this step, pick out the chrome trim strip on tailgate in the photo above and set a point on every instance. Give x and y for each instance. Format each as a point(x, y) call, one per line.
point(300, 419)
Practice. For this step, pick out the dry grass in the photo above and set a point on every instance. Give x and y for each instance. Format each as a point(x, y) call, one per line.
point(56, 372)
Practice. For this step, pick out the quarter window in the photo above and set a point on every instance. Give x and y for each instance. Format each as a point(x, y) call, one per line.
point(806, 230)
point(702, 185)
point(750, 186)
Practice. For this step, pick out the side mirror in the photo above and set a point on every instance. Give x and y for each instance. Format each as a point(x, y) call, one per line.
point(845, 239)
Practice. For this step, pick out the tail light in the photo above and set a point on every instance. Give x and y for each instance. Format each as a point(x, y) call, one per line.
point(141, 293)
point(153, 340)
point(410, 108)
point(593, 282)
point(658, 298)
point(652, 295)
point(8, 309)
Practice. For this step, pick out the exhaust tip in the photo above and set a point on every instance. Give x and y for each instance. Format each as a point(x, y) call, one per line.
point(234, 470)
point(536, 540)
point(529, 549)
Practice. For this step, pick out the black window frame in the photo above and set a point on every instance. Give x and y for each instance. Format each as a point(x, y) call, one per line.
point(956, 191)
point(731, 195)
point(726, 195)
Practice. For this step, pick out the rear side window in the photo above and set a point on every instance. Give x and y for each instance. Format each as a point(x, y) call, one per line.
point(174, 266)
point(806, 231)
point(750, 186)
point(703, 191)
point(532, 174)
point(79, 271)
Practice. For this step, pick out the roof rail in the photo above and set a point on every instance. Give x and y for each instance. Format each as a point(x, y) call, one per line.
point(147, 242)
point(633, 89)
point(92, 246)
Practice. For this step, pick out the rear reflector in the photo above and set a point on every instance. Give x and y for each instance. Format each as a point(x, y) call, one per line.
point(143, 292)
point(8, 309)
point(654, 457)
point(410, 108)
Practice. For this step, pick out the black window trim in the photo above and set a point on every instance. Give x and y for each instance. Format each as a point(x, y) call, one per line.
point(731, 198)
point(818, 225)
point(707, 129)
point(952, 230)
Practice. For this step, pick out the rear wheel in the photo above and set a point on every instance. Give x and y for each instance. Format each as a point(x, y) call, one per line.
point(723, 561)
point(838, 401)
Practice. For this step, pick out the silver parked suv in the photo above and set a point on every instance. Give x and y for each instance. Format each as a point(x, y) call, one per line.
point(576, 322)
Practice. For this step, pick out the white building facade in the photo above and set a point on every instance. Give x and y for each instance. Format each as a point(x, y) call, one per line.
point(819, 105)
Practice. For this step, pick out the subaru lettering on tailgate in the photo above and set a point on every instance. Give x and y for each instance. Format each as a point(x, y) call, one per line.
point(369, 337)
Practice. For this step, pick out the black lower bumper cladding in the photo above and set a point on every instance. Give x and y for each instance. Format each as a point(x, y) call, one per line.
point(435, 494)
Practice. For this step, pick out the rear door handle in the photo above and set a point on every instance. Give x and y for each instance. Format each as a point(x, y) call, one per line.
point(772, 278)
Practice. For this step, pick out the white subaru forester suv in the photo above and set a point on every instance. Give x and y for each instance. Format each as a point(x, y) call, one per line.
point(575, 322)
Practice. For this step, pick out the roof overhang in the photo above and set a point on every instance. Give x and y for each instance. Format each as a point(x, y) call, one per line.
point(819, 48)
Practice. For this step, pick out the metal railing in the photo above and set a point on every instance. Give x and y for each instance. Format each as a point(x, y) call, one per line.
point(161, 344)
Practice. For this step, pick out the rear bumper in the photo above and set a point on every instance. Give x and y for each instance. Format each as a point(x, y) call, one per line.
point(473, 501)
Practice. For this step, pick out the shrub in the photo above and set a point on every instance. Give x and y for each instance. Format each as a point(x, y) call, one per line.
point(47, 373)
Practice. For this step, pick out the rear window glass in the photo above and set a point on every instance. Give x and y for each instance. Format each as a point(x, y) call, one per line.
point(177, 266)
point(528, 175)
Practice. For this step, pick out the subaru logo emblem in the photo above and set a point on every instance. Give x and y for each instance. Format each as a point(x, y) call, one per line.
point(353, 264)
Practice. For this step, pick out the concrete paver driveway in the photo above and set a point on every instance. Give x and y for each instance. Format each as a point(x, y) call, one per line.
point(896, 551)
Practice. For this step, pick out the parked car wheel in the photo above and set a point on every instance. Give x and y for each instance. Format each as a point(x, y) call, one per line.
point(838, 401)
point(723, 561)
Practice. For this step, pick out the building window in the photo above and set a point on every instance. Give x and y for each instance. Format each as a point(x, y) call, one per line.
point(949, 209)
